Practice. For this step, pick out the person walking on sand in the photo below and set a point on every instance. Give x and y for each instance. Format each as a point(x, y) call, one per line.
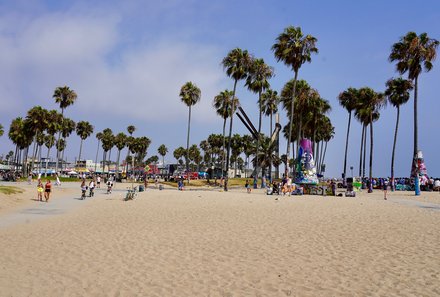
point(40, 190)
point(248, 187)
point(98, 182)
point(58, 183)
point(29, 180)
point(47, 190)
point(385, 188)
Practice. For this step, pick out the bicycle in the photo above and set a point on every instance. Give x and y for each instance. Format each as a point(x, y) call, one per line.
point(131, 194)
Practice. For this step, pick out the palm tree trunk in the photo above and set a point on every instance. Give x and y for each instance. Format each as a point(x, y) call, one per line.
point(370, 190)
point(47, 161)
point(365, 152)
point(187, 144)
point(40, 148)
point(416, 144)
point(15, 158)
point(109, 160)
point(34, 153)
point(80, 150)
point(104, 155)
point(360, 154)
point(317, 159)
point(96, 158)
point(224, 147)
point(117, 163)
point(325, 151)
point(289, 136)
point(230, 136)
point(258, 146)
point(394, 148)
point(270, 135)
point(346, 147)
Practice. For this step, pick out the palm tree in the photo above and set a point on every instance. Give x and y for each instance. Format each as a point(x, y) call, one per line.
point(120, 143)
point(371, 102)
point(49, 142)
point(397, 93)
point(162, 150)
point(348, 100)
point(65, 97)
point(83, 129)
point(36, 120)
point(130, 129)
point(22, 137)
point(267, 154)
point(236, 64)
point(107, 141)
point(413, 54)
point(178, 153)
point(258, 81)
point(68, 126)
point(189, 94)
point(294, 49)
point(270, 103)
point(99, 137)
point(223, 106)
point(1, 130)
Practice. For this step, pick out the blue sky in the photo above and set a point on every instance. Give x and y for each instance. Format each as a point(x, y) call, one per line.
point(128, 59)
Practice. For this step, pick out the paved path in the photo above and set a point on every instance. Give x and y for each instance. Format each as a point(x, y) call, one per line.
point(61, 204)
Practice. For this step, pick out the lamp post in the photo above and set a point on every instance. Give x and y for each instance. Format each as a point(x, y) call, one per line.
point(351, 168)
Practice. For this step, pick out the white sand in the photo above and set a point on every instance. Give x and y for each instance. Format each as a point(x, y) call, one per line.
point(210, 243)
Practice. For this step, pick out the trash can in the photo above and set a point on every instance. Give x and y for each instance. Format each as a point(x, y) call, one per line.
point(141, 188)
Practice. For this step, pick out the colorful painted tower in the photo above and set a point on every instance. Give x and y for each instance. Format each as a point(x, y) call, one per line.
point(305, 165)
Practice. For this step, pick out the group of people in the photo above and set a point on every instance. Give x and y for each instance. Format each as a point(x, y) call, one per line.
point(46, 189)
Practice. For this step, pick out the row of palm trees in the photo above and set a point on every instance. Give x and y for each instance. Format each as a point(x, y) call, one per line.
point(51, 128)
point(413, 53)
point(307, 109)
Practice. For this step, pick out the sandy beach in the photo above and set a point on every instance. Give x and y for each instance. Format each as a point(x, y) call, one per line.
point(212, 243)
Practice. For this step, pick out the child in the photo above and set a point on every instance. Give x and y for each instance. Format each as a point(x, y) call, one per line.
point(40, 190)
point(248, 187)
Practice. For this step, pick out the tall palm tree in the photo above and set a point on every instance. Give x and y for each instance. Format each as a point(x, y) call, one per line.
point(294, 49)
point(130, 129)
point(236, 64)
point(397, 93)
point(65, 97)
point(189, 94)
point(37, 122)
point(371, 102)
point(83, 129)
point(68, 126)
point(223, 106)
point(178, 153)
point(49, 142)
point(162, 150)
point(22, 137)
point(270, 103)
point(120, 143)
point(414, 53)
point(107, 141)
point(258, 81)
point(348, 100)
point(99, 137)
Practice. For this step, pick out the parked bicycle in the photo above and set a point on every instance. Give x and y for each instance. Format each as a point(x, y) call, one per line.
point(131, 194)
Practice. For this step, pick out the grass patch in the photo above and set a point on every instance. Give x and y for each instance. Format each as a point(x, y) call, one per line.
point(203, 182)
point(9, 190)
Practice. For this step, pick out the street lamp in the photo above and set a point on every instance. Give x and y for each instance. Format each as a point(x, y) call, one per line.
point(351, 168)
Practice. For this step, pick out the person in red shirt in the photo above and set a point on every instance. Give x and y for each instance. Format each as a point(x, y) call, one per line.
point(47, 190)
